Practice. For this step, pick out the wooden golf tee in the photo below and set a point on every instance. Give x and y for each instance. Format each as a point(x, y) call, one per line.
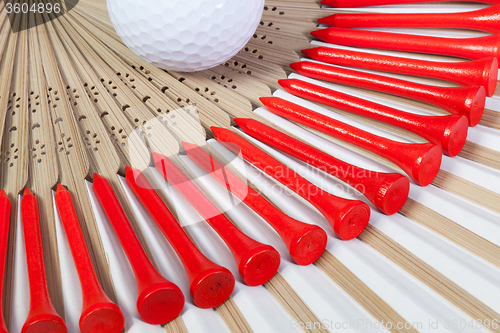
point(348, 218)
point(99, 314)
point(481, 72)
point(5, 207)
point(449, 132)
point(366, 3)
point(469, 48)
point(159, 301)
point(210, 285)
point(305, 242)
point(42, 316)
point(387, 191)
point(257, 263)
point(420, 161)
point(486, 19)
point(467, 101)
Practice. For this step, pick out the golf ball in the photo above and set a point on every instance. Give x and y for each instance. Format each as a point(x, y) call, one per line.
point(185, 35)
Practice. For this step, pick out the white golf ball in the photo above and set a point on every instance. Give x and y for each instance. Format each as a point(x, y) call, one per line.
point(185, 35)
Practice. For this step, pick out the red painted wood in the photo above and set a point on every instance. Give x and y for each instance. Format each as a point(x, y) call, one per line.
point(419, 161)
point(348, 218)
point(99, 314)
point(467, 101)
point(257, 263)
point(449, 132)
point(42, 316)
point(387, 191)
point(482, 72)
point(486, 19)
point(5, 208)
point(366, 3)
point(210, 284)
point(468, 48)
point(159, 301)
point(305, 242)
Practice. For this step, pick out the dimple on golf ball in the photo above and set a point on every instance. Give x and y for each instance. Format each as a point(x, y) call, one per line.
point(185, 35)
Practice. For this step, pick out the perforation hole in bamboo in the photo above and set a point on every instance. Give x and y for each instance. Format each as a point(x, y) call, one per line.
point(253, 52)
point(38, 148)
point(118, 136)
point(228, 82)
point(235, 64)
point(64, 143)
point(273, 9)
point(11, 155)
point(208, 94)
